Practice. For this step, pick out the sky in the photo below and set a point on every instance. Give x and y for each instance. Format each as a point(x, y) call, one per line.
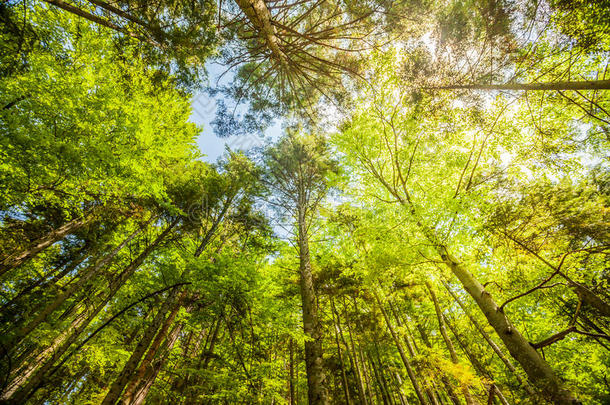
point(204, 110)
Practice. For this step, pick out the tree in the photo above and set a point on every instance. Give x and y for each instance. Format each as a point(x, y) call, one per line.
point(176, 36)
point(296, 170)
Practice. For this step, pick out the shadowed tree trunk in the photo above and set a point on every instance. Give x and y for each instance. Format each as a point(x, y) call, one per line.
point(88, 274)
point(143, 371)
point(38, 246)
point(344, 382)
point(171, 303)
point(32, 374)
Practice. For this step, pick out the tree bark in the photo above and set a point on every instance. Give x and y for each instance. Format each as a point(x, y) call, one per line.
point(292, 400)
point(44, 282)
point(477, 364)
point(31, 376)
point(538, 370)
point(380, 386)
point(116, 389)
point(380, 374)
point(259, 16)
point(352, 357)
point(316, 378)
point(154, 369)
point(433, 395)
point(141, 374)
point(344, 383)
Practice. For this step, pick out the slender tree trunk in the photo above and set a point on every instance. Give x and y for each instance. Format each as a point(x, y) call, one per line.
point(380, 374)
point(154, 370)
point(575, 85)
point(470, 400)
point(191, 351)
point(359, 354)
point(43, 283)
point(345, 385)
point(433, 395)
point(204, 359)
point(379, 387)
point(365, 371)
point(32, 375)
point(401, 352)
point(445, 380)
point(352, 357)
point(316, 378)
point(18, 259)
point(476, 363)
point(491, 343)
point(292, 400)
point(401, 394)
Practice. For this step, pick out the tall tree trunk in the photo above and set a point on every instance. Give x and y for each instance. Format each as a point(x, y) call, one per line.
point(470, 400)
point(316, 378)
point(366, 374)
point(34, 372)
point(43, 282)
point(116, 389)
point(575, 85)
point(401, 394)
point(538, 370)
point(433, 395)
point(155, 368)
point(445, 380)
point(204, 359)
point(41, 244)
point(88, 275)
point(381, 375)
point(401, 352)
point(380, 391)
point(491, 343)
point(292, 399)
point(140, 374)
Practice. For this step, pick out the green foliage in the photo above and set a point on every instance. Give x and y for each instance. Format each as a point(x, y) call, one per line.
point(115, 236)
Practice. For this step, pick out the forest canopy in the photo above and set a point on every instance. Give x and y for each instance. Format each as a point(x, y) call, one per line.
point(432, 225)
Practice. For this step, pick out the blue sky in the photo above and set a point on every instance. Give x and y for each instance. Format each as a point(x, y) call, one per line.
point(204, 110)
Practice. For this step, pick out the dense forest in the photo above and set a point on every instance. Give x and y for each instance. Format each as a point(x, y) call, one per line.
point(432, 226)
